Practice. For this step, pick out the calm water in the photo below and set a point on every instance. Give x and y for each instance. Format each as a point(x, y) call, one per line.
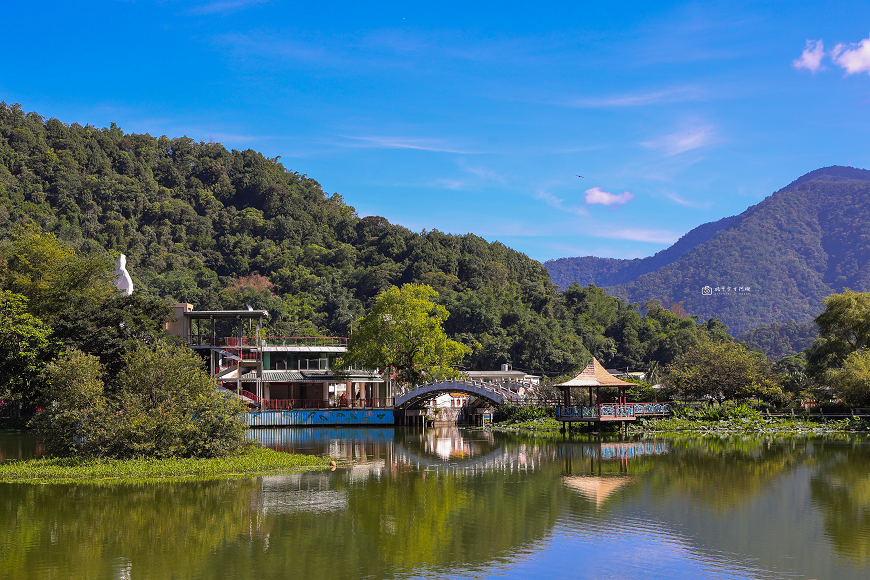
point(463, 504)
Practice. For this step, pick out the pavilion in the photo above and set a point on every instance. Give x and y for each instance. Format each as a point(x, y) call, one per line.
point(594, 376)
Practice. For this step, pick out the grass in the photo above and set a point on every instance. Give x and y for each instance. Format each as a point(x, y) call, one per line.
point(254, 461)
point(742, 419)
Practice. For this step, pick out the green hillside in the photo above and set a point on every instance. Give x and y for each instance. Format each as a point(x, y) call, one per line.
point(804, 242)
point(225, 229)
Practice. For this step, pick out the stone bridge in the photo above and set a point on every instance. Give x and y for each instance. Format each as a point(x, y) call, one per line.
point(496, 393)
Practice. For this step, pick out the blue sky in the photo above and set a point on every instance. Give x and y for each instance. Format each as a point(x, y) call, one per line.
point(476, 116)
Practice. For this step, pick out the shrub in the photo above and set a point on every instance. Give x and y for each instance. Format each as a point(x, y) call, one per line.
point(163, 404)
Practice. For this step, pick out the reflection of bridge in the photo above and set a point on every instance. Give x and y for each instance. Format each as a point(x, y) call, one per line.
point(524, 459)
point(496, 393)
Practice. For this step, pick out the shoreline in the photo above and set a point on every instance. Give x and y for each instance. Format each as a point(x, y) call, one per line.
point(727, 426)
point(80, 470)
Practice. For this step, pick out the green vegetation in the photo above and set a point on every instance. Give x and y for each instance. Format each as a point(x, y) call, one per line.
point(254, 461)
point(780, 341)
point(162, 404)
point(739, 419)
point(723, 371)
point(404, 333)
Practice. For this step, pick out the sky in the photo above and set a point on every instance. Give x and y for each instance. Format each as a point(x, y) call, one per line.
point(477, 116)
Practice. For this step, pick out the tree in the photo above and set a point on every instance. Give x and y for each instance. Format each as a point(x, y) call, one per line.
point(722, 371)
point(844, 328)
point(25, 347)
point(852, 380)
point(76, 420)
point(404, 334)
point(49, 272)
point(164, 404)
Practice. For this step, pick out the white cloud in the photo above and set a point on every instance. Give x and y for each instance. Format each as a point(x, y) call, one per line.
point(597, 196)
point(224, 6)
point(390, 142)
point(684, 140)
point(811, 57)
point(558, 202)
point(664, 96)
point(676, 198)
point(854, 58)
point(640, 235)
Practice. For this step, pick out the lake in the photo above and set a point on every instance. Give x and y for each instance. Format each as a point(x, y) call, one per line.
point(451, 503)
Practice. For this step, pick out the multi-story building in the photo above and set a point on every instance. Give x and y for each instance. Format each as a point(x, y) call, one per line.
point(276, 372)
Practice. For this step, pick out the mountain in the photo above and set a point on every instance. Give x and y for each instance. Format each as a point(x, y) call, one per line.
point(612, 271)
point(776, 261)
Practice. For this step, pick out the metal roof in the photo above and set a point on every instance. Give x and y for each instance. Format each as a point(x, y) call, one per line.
point(228, 314)
point(341, 349)
point(318, 376)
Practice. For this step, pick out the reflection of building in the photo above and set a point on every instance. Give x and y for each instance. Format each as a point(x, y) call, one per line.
point(275, 372)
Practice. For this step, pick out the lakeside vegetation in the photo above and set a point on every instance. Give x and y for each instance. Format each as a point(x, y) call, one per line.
point(252, 462)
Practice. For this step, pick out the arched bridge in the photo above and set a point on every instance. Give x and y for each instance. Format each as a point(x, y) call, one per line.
point(495, 393)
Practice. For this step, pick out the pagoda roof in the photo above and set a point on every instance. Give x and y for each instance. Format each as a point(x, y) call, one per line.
point(594, 375)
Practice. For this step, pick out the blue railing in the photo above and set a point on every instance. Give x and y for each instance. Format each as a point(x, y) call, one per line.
point(609, 410)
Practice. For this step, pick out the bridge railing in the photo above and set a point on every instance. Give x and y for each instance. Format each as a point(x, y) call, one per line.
point(289, 404)
point(611, 410)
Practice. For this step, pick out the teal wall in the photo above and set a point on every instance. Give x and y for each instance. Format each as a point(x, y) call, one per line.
point(330, 417)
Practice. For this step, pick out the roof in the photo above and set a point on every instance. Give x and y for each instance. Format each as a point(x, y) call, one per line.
point(227, 314)
point(282, 376)
point(594, 375)
point(499, 373)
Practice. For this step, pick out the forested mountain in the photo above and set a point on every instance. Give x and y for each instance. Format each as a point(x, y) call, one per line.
point(226, 229)
point(776, 261)
point(778, 341)
point(612, 271)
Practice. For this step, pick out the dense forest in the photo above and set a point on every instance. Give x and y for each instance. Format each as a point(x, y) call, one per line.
point(226, 229)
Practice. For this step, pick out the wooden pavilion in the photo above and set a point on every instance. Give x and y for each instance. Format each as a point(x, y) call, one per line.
point(594, 376)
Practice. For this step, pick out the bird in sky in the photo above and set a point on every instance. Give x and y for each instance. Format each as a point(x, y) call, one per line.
point(580, 176)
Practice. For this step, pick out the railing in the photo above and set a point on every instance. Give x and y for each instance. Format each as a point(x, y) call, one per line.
point(250, 397)
point(287, 404)
point(611, 410)
point(233, 341)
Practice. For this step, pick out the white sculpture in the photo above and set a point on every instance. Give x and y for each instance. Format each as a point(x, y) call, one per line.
point(123, 281)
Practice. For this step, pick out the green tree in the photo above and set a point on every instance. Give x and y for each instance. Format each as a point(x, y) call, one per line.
point(852, 380)
point(722, 371)
point(50, 273)
point(77, 418)
point(404, 333)
point(844, 328)
point(25, 347)
point(164, 404)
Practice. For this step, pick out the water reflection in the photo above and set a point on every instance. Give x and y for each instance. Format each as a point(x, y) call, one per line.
point(451, 503)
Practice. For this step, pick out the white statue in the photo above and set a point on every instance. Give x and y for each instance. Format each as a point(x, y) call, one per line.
point(123, 281)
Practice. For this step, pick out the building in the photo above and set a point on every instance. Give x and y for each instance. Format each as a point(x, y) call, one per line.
point(276, 372)
point(505, 374)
